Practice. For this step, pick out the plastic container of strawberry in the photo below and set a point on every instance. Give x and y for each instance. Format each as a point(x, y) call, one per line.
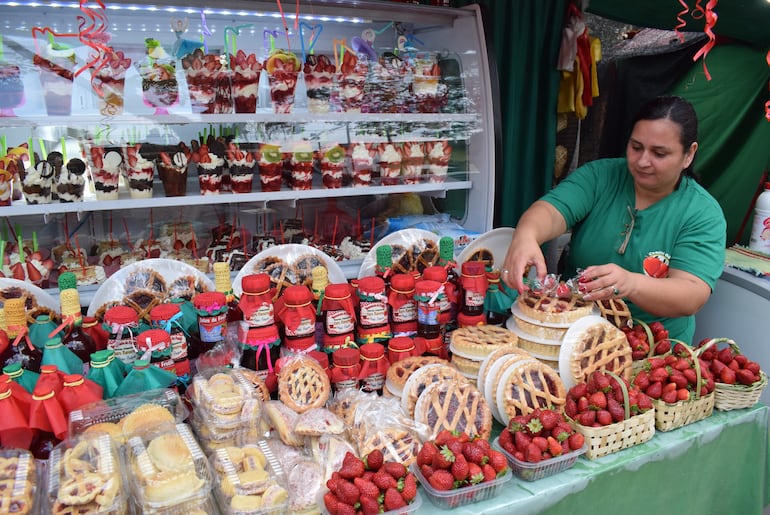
point(534, 471)
point(448, 499)
point(412, 507)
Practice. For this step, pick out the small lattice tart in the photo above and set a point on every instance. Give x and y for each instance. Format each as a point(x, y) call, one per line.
point(395, 443)
point(454, 405)
point(599, 346)
point(480, 340)
point(484, 255)
point(554, 310)
point(303, 267)
point(303, 384)
point(424, 377)
point(398, 373)
point(616, 312)
point(526, 385)
point(466, 366)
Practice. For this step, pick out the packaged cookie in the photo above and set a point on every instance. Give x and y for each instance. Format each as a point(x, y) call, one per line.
point(168, 471)
point(18, 475)
point(249, 479)
point(84, 476)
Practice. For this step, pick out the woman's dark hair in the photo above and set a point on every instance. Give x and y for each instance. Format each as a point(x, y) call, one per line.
point(679, 111)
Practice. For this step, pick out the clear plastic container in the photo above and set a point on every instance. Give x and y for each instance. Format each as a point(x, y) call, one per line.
point(412, 507)
point(85, 474)
point(168, 472)
point(249, 479)
point(20, 475)
point(112, 411)
point(534, 471)
point(448, 499)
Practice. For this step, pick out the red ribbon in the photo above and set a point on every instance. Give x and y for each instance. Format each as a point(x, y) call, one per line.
point(767, 104)
point(711, 20)
point(682, 24)
point(23, 332)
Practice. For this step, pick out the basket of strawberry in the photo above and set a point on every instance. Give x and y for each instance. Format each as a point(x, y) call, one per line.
point(739, 381)
point(646, 341)
point(455, 469)
point(680, 385)
point(540, 444)
point(610, 413)
point(371, 486)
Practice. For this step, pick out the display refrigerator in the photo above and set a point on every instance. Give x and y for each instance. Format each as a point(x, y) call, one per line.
point(178, 129)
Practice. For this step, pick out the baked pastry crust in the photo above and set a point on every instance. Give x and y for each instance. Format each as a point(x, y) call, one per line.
point(616, 312)
point(539, 331)
point(303, 384)
point(481, 340)
point(554, 310)
point(454, 405)
point(466, 366)
point(526, 385)
point(601, 346)
point(422, 378)
point(487, 362)
point(146, 418)
point(398, 373)
point(395, 443)
point(317, 422)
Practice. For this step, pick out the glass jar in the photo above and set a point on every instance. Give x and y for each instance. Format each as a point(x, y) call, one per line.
point(403, 307)
point(473, 282)
point(168, 317)
point(154, 346)
point(257, 300)
point(346, 366)
point(373, 323)
point(297, 318)
point(16, 345)
point(211, 308)
point(374, 366)
point(259, 348)
point(338, 310)
point(122, 322)
point(428, 295)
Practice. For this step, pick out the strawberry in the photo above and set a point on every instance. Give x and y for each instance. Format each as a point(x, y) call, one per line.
point(426, 454)
point(681, 364)
point(443, 437)
point(483, 444)
point(475, 474)
point(520, 440)
point(746, 377)
point(345, 509)
point(727, 376)
point(690, 375)
point(456, 446)
point(541, 443)
point(533, 453)
point(643, 402)
point(603, 417)
point(534, 426)
point(383, 480)
point(656, 363)
point(370, 506)
point(351, 466)
point(658, 375)
point(395, 469)
point(753, 366)
point(578, 391)
point(662, 347)
point(742, 360)
point(366, 488)
point(570, 407)
point(490, 474)
point(409, 491)
point(459, 468)
point(333, 481)
point(655, 390)
point(554, 447)
point(347, 493)
point(497, 460)
point(725, 355)
point(373, 460)
point(582, 404)
point(441, 480)
point(393, 500)
point(642, 379)
point(616, 410)
point(669, 397)
point(587, 418)
point(549, 419)
point(331, 502)
point(426, 471)
point(443, 459)
point(734, 365)
point(598, 400)
point(678, 378)
point(602, 381)
point(576, 441)
point(682, 394)
point(505, 440)
point(717, 367)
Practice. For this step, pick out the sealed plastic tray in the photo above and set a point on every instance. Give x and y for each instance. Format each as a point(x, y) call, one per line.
point(19, 474)
point(112, 411)
point(168, 472)
point(84, 476)
point(249, 479)
point(534, 471)
point(449, 499)
point(412, 507)
point(223, 397)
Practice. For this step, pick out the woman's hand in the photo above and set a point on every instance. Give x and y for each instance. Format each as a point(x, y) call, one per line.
point(523, 252)
point(599, 282)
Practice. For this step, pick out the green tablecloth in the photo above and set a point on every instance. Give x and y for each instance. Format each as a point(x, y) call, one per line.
point(716, 466)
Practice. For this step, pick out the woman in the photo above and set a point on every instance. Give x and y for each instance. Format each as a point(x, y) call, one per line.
point(643, 229)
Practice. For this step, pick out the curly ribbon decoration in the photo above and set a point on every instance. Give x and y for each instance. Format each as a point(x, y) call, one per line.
point(94, 36)
point(682, 24)
point(711, 20)
point(285, 25)
point(767, 104)
point(67, 322)
point(204, 32)
point(118, 329)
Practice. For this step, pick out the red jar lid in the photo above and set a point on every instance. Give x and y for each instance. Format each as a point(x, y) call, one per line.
point(372, 351)
point(337, 291)
point(424, 287)
point(336, 340)
point(402, 282)
point(321, 357)
point(163, 312)
point(346, 357)
point(121, 315)
point(90, 321)
point(370, 285)
point(158, 338)
point(435, 273)
point(255, 283)
point(208, 299)
point(298, 294)
point(401, 344)
point(260, 334)
point(471, 268)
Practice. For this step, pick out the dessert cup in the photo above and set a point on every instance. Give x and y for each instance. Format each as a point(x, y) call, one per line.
point(362, 160)
point(139, 171)
point(160, 89)
point(11, 89)
point(6, 188)
point(388, 88)
point(211, 168)
point(207, 82)
point(302, 168)
point(319, 79)
point(109, 84)
point(390, 164)
point(245, 81)
point(173, 172)
point(332, 166)
point(106, 166)
point(439, 153)
point(241, 164)
point(270, 166)
point(55, 69)
point(72, 182)
point(412, 162)
point(37, 183)
point(429, 95)
point(282, 71)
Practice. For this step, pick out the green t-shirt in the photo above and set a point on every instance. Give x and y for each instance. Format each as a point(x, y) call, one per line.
point(686, 230)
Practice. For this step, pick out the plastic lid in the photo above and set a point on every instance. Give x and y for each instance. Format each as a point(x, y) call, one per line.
point(161, 312)
point(121, 315)
point(402, 282)
point(435, 273)
point(259, 334)
point(346, 357)
point(255, 283)
point(371, 284)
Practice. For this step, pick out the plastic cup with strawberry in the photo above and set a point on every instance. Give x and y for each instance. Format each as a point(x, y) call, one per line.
point(173, 170)
point(109, 83)
point(56, 68)
point(282, 68)
point(11, 88)
point(211, 168)
point(140, 172)
point(270, 164)
point(332, 166)
point(429, 95)
point(241, 163)
point(390, 163)
point(160, 89)
point(351, 82)
point(302, 167)
point(208, 83)
point(412, 162)
point(106, 166)
point(362, 160)
point(439, 152)
point(245, 81)
point(319, 79)
point(389, 88)
point(6, 188)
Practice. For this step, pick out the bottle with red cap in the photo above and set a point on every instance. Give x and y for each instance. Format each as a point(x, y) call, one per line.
point(122, 323)
point(77, 340)
point(337, 311)
point(402, 347)
point(257, 300)
point(374, 366)
point(212, 308)
point(474, 284)
point(373, 321)
point(296, 315)
point(154, 346)
point(15, 345)
point(94, 329)
point(168, 316)
point(403, 307)
point(346, 366)
point(428, 295)
point(449, 300)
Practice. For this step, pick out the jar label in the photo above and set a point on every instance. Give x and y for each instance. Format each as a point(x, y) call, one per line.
point(178, 346)
point(427, 314)
point(304, 328)
point(166, 364)
point(213, 329)
point(406, 313)
point(373, 383)
point(373, 314)
point(444, 304)
point(346, 384)
point(473, 298)
point(261, 317)
point(339, 321)
point(123, 348)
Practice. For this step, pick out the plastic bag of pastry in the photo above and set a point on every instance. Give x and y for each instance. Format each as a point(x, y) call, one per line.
point(317, 422)
point(86, 472)
point(289, 454)
point(19, 476)
point(220, 355)
point(303, 383)
point(329, 451)
point(345, 403)
point(281, 420)
point(305, 480)
point(167, 470)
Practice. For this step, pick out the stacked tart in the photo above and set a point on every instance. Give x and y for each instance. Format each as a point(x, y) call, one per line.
point(470, 345)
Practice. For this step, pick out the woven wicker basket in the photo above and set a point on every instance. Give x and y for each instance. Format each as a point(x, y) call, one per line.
point(734, 396)
point(673, 416)
point(604, 440)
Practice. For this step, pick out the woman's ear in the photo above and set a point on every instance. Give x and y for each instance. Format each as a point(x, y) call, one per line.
point(690, 154)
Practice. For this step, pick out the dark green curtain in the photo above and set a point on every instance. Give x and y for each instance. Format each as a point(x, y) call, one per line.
point(525, 38)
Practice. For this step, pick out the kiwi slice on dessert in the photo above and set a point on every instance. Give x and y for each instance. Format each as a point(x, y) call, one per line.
point(335, 154)
point(303, 157)
point(271, 153)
